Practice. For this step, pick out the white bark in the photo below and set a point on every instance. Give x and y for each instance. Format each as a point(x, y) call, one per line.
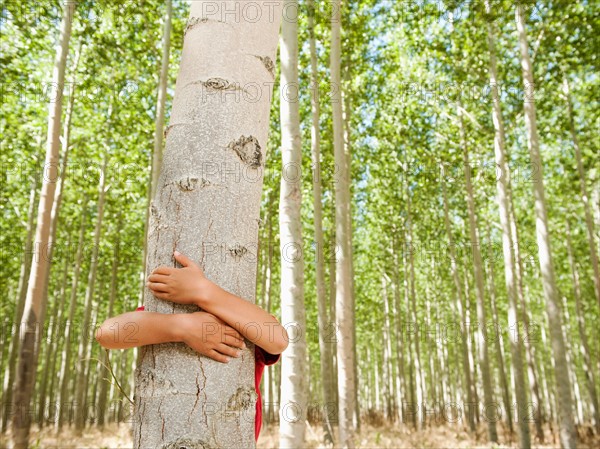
point(325, 346)
point(207, 206)
point(507, 246)
point(33, 312)
point(482, 343)
point(589, 222)
point(294, 382)
point(159, 126)
point(86, 337)
point(563, 385)
point(462, 316)
point(343, 298)
point(9, 372)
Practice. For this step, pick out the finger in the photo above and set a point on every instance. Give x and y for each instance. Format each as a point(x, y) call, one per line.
point(161, 278)
point(183, 260)
point(162, 295)
point(230, 330)
point(158, 287)
point(217, 356)
point(228, 350)
point(163, 270)
point(233, 341)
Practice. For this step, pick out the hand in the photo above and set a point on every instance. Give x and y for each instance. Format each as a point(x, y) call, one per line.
point(210, 336)
point(181, 285)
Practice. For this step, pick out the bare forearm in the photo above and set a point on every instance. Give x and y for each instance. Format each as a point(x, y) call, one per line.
point(248, 319)
point(133, 329)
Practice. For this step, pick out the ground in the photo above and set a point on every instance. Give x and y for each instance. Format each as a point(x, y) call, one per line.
point(371, 437)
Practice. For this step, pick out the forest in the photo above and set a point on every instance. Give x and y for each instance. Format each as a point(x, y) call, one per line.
point(412, 188)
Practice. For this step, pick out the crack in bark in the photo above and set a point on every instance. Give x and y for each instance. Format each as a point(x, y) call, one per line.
point(188, 443)
point(195, 22)
point(204, 389)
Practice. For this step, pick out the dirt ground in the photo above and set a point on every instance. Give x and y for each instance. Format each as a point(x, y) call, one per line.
point(370, 437)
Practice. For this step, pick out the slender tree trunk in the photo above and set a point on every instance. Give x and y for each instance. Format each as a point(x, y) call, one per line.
point(54, 220)
point(459, 307)
point(529, 347)
point(407, 332)
point(344, 309)
point(471, 343)
point(57, 340)
point(398, 314)
point(86, 336)
point(104, 373)
point(269, 377)
point(500, 351)
point(323, 308)
point(346, 114)
point(9, 374)
point(294, 385)
point(482, 343)
point(571, 363)
point(33, 313)
point(65, 367)
point(584, 346)
point(212, 217)
point(502, 192)
point(565, 412)
point(159, 126)
point(388, 381)
point(589, 222)
point(412, 308)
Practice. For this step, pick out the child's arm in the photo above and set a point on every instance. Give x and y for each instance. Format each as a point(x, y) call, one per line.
point(188, 285)
point(203, 332)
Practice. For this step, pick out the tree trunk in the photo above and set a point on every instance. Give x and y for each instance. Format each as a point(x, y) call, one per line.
point(325, 348)
point(500, 351)
point(65, 367)
point(86, 336)
point(57, 338)
point(294, 385)
point(344, 309)
point(462, 316)
point(54, 220)
point(9, 373)
point(33, 313)
point(482, 346)
point(502, 192)
point(584, 193)
point(269, 377)
point(590, 380)
point(207, 206)
point(104, 373)
point(529, 347)
point(398, 314)
point(565, 412)
point(412, 310)
point(159, 126)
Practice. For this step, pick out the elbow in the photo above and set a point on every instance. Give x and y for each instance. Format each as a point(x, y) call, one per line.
point(102, 333)
point(280, 344)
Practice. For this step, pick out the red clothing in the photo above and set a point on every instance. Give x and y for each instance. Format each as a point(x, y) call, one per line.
point(261, 359)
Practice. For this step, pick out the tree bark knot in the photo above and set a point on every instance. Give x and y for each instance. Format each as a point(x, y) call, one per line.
point(238, 251)
point(268, 63)
point(248, 150)
point(242, 399)
point(187, 443)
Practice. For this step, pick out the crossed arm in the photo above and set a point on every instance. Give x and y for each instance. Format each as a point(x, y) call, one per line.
point(218, 331)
